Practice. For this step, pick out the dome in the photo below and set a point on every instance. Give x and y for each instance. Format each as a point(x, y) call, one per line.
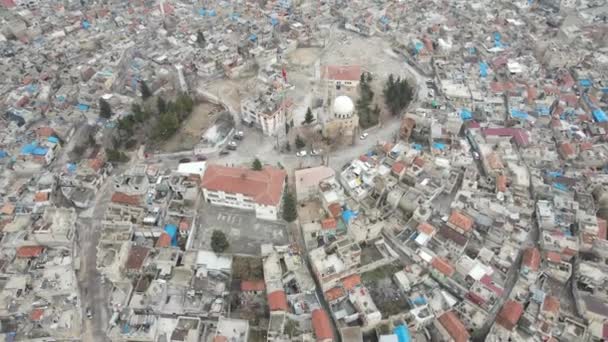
point(343, 106)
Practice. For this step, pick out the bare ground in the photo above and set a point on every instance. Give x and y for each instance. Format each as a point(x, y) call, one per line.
point(191, 130)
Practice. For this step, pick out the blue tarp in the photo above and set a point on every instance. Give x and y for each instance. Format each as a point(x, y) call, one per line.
point(171, 229)
point(599, 115)
point(483, 69)
point(403, 335)
point(82, 107)
point(465, 114)
point(202, 12)
point(497, 42)
point(3, 154)
point(438, 146)
point(274, 21)
point(31, 88)
point(543, 110)
point(419, 301)
point(253, 37)
point(472, 51)
point(348, 215)
point(53, 140)
point(211, 13)
point(40, 151)
point(417, 147)
point(518, 114)
point(29, 148)
point(71, 167)
point(86, 24)
point(560, 186)
point(418, 46)
point(554, 174)
point(585, 83)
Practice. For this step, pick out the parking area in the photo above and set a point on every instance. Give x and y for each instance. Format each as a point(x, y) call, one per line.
point(244, 231)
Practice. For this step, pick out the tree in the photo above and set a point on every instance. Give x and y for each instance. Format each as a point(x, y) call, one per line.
point(286, 128)
point(161, 105)
point(309, 117)
point(146, 93)
point(290, 212)
point(105, 111)
point(200, 38)
point(116, 156)
point(288, 146)
point(397, 94)
point(299, 142)
point(257, 165)
point(219, 243)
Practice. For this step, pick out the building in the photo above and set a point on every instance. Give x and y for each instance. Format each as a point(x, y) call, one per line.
point(344, 121)
point(321, 326)
point(268, 112)
point(338, 76)
point(510, 314)
point(231, 329)
point(260, 191)
point(451, 328)
point(308, 180)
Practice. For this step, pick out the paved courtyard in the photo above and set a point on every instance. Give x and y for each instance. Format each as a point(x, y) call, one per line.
point(244, 231)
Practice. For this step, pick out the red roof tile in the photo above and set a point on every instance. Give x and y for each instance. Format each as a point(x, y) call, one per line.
point(488, 282)
point(398, 167)
point(96, 164)
point(36, 314)
point(41, 196)
point(329, 223)
point(252, 285)
point(351, 281)
point(29, 251)
point(501, 183)
point(137, 256)
point(277, 301)
point(419, 162)
point(265, 186)
point(454, 326)
point(553, 257)
point(44, 132)
point(567, 150)
point(461, 221)
point(603, 228)
point(321, 325)
point(122, 198)
point(164, 240)
point(184, 225)
point(342, 72)
point(334, 293)
point(442, 266)
point(335, 210)
point(426, 228)
point(551, 304)
point(509, 314)
point(531, 258)
point(7, 209)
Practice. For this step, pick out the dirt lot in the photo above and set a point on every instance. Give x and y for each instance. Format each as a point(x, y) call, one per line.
point(304, 56)
point(191, 130)
point(386, 294)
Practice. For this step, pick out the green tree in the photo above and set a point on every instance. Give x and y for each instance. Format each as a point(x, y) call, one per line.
point(290, 212)
point(138, 113)
point(397, 94)
point(200, 38)
point(105, 111)
point(219, 242)
point(300, 143)
point(116, 156)
point(287, 128)
point(167, 125)
point(256, 165)
point(309, 117)
point(146, 93)
point(161, 105)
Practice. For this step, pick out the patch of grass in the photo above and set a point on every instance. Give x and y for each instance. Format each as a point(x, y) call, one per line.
point(382, 272)
point(247, 268)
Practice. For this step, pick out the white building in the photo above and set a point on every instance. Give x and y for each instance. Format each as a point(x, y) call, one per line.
point(260, 191)
point(268, 112)
point(308, 180)
point(339, 76)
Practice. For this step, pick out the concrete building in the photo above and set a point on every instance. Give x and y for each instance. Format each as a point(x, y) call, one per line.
point(344, 122)
point(268, 112)
point(308, 180)
point(260, 191)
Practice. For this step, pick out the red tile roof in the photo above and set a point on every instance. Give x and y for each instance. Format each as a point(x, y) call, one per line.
point(509, 314)
point(461, 221)
point(184, 225)
point(603, 228)
point(7, 209)
point(551, 304)
point(342, 72)
point(329, 223)
point(277, 301)
point(553, 257)
point(334, 293)
point(501, 183)
point(137, 256)
point(265, 186)
point(442, 266)
point(36, 314)
point(454, 326)
point(426, 228)
point(122, 198)
point(41, 196)
point(488, 282)
point(164, 240)
point(96, 164)
point(29, 251)
point(321, 325)
point(44, 132)
point(419, 162)
point(398, 167)
point(335, 210)
point(531, 258)
point(252, 285)
point(351, 281)
point(567, 149)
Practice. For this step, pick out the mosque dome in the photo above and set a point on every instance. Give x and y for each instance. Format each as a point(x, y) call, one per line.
point(343, 107)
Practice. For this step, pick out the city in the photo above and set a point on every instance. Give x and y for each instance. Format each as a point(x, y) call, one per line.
point(304, 170)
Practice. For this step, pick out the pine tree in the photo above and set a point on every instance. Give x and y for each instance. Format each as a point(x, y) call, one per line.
point(290, 212)
point(146, 93)
point(161, 105)
point(309, 117)
point(105, 111)
point(299, 142)
point(200, 38)
point(219, 243)
point(256, 165)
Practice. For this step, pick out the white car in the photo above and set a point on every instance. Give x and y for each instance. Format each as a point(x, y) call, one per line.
point(364, 136)
point(315, 152)
point(302, 153)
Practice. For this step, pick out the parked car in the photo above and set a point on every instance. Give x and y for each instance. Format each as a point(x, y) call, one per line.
point(89, 313)
point(239, 135)
point(184, 160)
point(201, 158)
point(302, 153)
point(315, 152)
point(476, 155)
point(224, 152)
point(364, 136)
point(232, 145)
